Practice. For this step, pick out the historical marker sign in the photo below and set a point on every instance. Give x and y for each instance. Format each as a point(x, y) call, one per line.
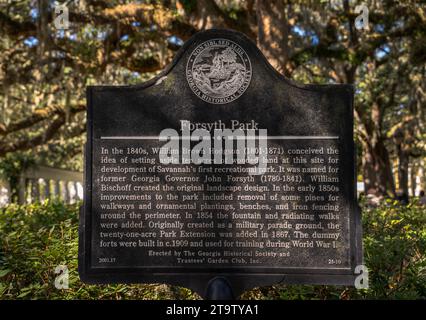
point(220, 166)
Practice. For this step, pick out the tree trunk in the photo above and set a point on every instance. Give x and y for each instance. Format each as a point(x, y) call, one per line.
point(413, 178)
point(422, 174)
point(403, 162)
point(42, 26)
point(378, 176)
point(273, 30)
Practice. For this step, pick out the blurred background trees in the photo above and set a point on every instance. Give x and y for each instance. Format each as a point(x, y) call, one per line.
point(44, 70)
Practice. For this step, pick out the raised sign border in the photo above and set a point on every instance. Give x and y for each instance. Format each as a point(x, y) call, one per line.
point(197, 281)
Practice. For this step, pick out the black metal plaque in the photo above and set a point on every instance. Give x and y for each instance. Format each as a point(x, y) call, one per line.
point(294, 220)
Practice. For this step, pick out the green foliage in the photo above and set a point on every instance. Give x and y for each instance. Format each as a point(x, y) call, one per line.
point(11, 167)
point(189, 5)
point(395, 246)
point(36, 238)
point(394, 252)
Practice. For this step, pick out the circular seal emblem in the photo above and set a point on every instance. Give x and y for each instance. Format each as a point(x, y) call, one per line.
point(218, 71)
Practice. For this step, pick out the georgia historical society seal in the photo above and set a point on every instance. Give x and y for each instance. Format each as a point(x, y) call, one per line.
point(218, 71)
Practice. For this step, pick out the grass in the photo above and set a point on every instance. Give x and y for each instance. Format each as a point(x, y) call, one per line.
point(36, 238)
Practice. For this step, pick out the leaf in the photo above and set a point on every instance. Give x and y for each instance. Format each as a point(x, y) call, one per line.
point(4, 272)
point(24, 293)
